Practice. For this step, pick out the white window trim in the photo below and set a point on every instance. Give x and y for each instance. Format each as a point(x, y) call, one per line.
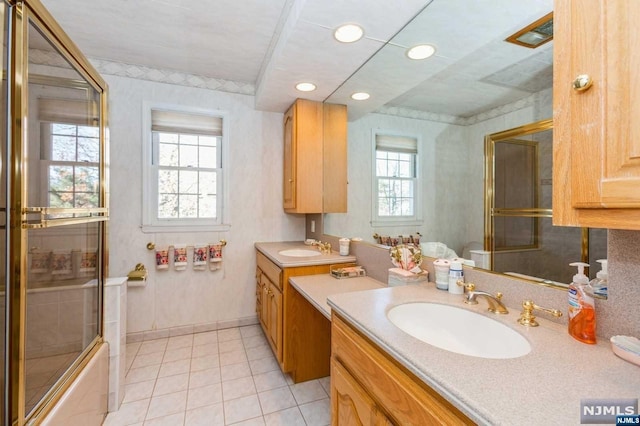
point(150, 222)
point(416, 219)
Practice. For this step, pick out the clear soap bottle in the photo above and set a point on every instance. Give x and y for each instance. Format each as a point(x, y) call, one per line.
point(599, 284)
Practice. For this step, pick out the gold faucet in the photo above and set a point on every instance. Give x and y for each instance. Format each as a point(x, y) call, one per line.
point(526, 316)
point(495, 302)
point(325, 248)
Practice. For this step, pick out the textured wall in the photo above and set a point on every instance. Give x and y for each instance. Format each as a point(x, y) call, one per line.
point(182, 300)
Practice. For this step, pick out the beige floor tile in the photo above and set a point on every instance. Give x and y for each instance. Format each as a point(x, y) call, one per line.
point(204, 378)
point(238, 388)
point(129, 413)
point(205, 395)
point(289, 417)
point(177, 354)
point(317, 413)
point(233, 357)
point(138, 391)
point(174, 367)
point(146, 360)
point(142, 374)
point(205, 338)
point(171, 420)
point(276, 400)
point(206, 349)
point(229, 334)
point(230, 346)
point(235, 371)
point(237, 410)
point(308, 391)
point(171, 384)
point(164, 405)
point(269, 380)
point(209, 415)
point(205, 362)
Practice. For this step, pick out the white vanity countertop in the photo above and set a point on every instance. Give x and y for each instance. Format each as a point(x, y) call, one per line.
point(317, 288)
point(272, 249)
point(543, 387)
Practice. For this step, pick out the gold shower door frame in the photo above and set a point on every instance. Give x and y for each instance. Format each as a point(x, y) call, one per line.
point(489, 193)
point(22, 14)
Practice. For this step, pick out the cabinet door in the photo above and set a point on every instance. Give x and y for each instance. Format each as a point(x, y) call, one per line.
point(596, 136)
point(275, 319)
point(264, 315)
point(289, 173)
point(259, 293)
point(350, 403)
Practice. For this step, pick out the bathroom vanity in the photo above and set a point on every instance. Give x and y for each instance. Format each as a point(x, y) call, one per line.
point(382, 373)
point(276, 300)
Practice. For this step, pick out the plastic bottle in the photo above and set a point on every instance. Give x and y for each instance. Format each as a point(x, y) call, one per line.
point(599, 284)
point(582, 312)
point(455, 274)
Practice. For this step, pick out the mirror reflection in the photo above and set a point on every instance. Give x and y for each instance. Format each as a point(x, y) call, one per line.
point(476, 84)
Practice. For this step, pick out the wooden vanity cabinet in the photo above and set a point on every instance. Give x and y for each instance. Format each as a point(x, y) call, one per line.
point(276, 303)
point(596, 137)
point(315, 158)
point(369, 387)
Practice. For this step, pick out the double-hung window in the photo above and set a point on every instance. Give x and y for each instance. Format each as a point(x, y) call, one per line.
point(71, 154)
point(184, 172)
point(395, 180)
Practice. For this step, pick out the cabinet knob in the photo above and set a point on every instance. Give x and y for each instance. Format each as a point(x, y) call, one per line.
point(582, 82)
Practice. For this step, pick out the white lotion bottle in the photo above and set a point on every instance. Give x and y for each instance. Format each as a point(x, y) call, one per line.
point(455, 274)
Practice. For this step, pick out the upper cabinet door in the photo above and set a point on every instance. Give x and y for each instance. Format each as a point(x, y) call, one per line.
point(596, 105)
point(289, 174)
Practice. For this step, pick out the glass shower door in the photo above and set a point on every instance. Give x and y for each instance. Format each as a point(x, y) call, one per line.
point(57, 193)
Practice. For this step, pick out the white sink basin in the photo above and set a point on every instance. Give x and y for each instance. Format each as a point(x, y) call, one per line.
point(299, 253)
point(459, 330)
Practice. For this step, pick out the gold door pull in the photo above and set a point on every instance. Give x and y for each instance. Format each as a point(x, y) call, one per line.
point(582, 83)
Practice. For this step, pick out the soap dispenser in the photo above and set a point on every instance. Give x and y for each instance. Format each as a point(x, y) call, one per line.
point(599, 284)
point(582, 312)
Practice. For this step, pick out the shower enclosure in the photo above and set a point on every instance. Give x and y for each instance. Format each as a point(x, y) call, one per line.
point(54, 202)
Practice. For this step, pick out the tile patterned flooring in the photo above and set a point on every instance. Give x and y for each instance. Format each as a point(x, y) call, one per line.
point(224, 377)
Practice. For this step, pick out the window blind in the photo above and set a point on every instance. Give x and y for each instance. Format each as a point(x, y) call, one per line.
point(397, 144)
point(69, 111)
point(181, 122)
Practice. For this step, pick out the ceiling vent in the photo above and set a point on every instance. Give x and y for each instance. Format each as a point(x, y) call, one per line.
point(535, 34)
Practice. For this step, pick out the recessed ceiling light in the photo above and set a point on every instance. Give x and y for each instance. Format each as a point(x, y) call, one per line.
point(306, 87)
point(360, 96)
point(348, 33)
point(421, 51)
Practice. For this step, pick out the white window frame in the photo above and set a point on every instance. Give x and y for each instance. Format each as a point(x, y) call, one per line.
point(46, 136)
point(416, 218)
point(150, 221)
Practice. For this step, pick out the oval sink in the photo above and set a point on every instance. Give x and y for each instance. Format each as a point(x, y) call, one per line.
point(459, 330)
point(299, 253)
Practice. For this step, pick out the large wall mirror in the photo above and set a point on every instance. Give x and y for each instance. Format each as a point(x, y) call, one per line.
point(476, 84)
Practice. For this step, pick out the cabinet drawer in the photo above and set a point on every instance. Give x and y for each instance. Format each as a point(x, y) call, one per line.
point(270, 269)
point(405, 398)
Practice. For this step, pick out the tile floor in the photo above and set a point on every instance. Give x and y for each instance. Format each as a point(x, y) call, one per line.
point(224, 377)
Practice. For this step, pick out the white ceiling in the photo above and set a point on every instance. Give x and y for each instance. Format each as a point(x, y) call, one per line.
point(274, 44)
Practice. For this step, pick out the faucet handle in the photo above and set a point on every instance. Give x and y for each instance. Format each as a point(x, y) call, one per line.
point(528, 319)
point(467, 286)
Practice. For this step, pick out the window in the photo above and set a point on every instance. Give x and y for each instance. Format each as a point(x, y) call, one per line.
point(184, 172)
point(395, 180)
point(73, 173)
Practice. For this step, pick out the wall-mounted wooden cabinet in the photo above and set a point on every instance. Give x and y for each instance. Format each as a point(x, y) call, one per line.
point(596, 169)
point(315, 158)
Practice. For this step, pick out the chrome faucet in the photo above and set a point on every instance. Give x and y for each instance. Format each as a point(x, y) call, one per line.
point(495, 302)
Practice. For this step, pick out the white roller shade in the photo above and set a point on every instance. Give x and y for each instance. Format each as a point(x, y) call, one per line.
point(181, 122)
point(397, 144)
